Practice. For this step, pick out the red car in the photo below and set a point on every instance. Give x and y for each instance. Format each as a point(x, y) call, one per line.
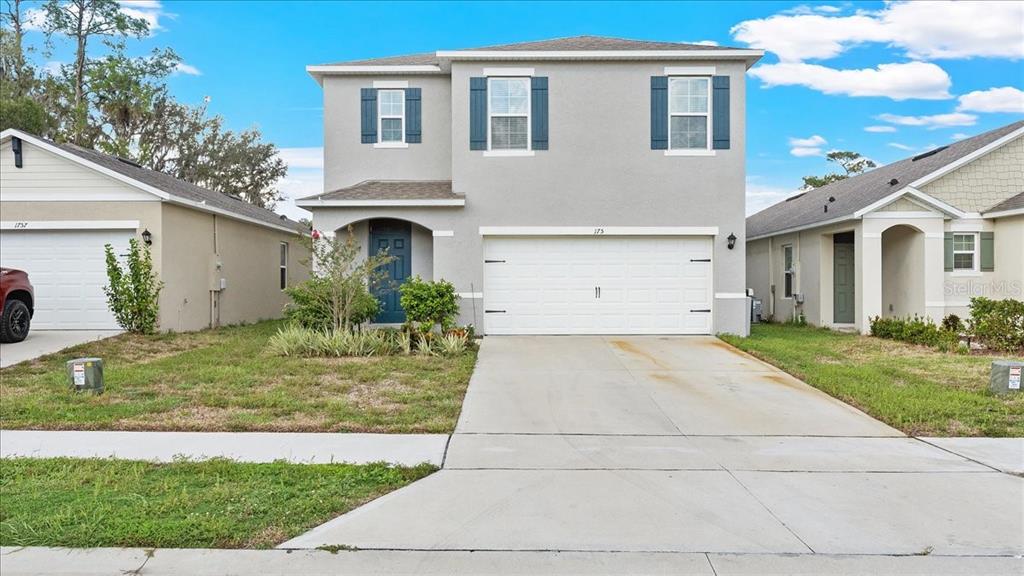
point(16, 301)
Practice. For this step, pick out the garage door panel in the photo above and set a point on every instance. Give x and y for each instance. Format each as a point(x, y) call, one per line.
point(648, 285)
point(67, 268)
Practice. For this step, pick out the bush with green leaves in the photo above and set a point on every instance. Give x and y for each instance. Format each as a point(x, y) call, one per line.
point(295, 340)
point(311, 305)
point(133, 290)
point(916, 330)
point(428, 304)
point(998, 324)
point(953, 323)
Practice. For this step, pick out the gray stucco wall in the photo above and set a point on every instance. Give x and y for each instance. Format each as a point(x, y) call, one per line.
point(599, 170)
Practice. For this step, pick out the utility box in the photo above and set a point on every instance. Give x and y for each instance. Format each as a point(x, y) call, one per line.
point(86, 374)
point(756, 310)
point(1006, 376)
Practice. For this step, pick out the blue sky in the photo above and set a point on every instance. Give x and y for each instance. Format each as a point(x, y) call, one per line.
point(919, 74)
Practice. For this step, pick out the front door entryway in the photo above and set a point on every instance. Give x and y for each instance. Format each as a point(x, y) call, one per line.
point(394, 237)
point(843, 287)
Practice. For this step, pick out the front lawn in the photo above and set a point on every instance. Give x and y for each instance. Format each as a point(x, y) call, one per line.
point(224, 379)
point(915, 389)
point(211, 504)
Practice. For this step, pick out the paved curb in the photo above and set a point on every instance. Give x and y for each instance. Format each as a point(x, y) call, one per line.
point(304, 448)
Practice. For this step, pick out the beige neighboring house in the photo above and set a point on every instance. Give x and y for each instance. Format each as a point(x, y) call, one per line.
point(223, 261)
point(920, 236)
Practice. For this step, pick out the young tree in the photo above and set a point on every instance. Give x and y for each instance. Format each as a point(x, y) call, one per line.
point(133, 292)
point(851, 162)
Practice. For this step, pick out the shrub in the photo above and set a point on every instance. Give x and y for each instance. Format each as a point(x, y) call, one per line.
point(916, 330)
point(952, 323)
point(452, 343)
point(428, 304)
point(133, 292)
point(998, 324)
point(293, 340)
point(311, 305)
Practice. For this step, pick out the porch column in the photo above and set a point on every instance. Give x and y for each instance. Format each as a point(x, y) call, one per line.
point(934, 269)
point(868, 254)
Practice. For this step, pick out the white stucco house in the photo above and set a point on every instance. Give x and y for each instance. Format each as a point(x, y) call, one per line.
point(919, 236)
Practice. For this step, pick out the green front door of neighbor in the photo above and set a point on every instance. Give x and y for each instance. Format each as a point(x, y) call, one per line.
point(843, 284)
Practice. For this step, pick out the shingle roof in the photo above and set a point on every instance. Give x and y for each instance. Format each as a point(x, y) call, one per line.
point(571, 44)
point(394, 190)
point(180, 188)
point(1011, 203)
point(860, 191)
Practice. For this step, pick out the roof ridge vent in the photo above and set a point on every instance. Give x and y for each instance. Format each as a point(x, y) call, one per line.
point(928, 153)
point(129, 162)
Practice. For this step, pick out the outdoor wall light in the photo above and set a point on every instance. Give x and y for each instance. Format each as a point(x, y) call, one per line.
point(732, 241)
point(147, 237)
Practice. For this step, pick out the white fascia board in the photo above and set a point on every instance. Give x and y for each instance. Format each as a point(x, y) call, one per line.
point(314, 203)
point(917, 195)
point(931, 177)
point(70, 225)
point(227, 214)
point(804, 227)
point(599, 54)
point(1004, 213)
point(599, 230)
point(902, 215)
point(11, 132)
point(406, 69)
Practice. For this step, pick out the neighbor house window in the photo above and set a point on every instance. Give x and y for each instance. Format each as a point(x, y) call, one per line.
point(689, 122)
point(787, 270)
point(508, 110)
point(392, 115)
point(965, 250)
point(284, 265)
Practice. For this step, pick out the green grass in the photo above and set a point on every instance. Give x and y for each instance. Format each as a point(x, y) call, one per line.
point(224, 379)
point(211, 504)
point(915, 389)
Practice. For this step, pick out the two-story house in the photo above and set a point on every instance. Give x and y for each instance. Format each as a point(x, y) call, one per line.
point(584, 185)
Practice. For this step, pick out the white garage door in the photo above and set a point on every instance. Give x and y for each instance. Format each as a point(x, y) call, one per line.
point(68, 271)
point(606, 285)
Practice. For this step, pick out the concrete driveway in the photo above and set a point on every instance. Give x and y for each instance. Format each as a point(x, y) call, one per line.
point(43, 342)
point(679, 445)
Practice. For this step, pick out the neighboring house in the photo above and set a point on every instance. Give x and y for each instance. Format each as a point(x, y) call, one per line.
point(919, 236)
point(583, 185)
point(223, 260)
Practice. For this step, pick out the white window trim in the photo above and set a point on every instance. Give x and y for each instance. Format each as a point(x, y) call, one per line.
point(975, 269)
point(528, 151)
point(788, 271)
point(283, 267)
point(380, 122)
point(707, 145)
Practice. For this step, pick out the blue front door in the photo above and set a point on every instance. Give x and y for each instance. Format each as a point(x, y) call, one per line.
point(394, 237)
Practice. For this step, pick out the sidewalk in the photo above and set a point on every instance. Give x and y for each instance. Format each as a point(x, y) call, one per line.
point(305, 448)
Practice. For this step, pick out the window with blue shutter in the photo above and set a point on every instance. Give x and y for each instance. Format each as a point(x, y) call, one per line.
point(413, 116)
point(659, 112)
point(478, 113)
point(720, 112)
point(539, 112)
point(368, 108)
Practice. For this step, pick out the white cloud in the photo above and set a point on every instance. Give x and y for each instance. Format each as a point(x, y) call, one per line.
point(814, 140)
point(149, 10)
point(803, 147)
point(188, 69)
point(52, 68)
point(761, 196)
point(921, 29)
point(959, 136)
point(879, 129)
point(931, 122)
point(305, 177)
point(705, 43)
point(899, 146)
point(303, 158)
point(920, 80)
point(1005, 99)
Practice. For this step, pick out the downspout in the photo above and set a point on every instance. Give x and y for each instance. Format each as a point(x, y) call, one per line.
point(771, 277)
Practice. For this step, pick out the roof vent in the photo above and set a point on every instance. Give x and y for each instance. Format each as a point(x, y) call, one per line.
point(831, 198)
point(893, 182)
point(826, 207)
point(795, 197)
point(928, 153)
point(283, 217)
point(130, 162)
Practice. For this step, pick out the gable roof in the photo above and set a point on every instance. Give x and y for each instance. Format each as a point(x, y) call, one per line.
point(578, 45)
point(854, 194)
point(1011, 203)
point(163, 185)
point(389, 192)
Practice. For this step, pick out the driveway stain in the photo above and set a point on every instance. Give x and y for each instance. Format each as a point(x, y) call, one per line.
point(631, 348)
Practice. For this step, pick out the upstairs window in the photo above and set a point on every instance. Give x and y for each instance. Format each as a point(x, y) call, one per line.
point(283, 266)
point(508, 111)
point(688, 110)
point(391, 114)
point(965, 248)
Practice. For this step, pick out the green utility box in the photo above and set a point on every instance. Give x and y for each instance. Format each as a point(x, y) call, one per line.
point(1006, 376)
point(86, 375)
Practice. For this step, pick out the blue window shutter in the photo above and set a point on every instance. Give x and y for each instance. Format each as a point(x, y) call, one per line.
point(947, 244)
point(478, 113)
point(659, 112)
point(413, 116)
point(539, 112)
point(988, 251)
point(720, 112)
point(368, 107)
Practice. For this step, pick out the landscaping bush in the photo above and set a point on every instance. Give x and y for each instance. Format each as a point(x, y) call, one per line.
point(133, 292)
point(311, 305)
point(998, 324)
point(953, 323)
point(295, 340)
point(916, 330)
point(429, 304)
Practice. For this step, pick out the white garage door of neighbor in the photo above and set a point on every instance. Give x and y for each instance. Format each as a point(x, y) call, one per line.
point(604, 285)
point(68, 271)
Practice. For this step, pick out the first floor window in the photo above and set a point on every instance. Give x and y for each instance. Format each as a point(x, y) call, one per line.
point(965, 251)
point(391, 104)
point(283, 270)
point(508, 106)
point(788, 272)
point(688, 105)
